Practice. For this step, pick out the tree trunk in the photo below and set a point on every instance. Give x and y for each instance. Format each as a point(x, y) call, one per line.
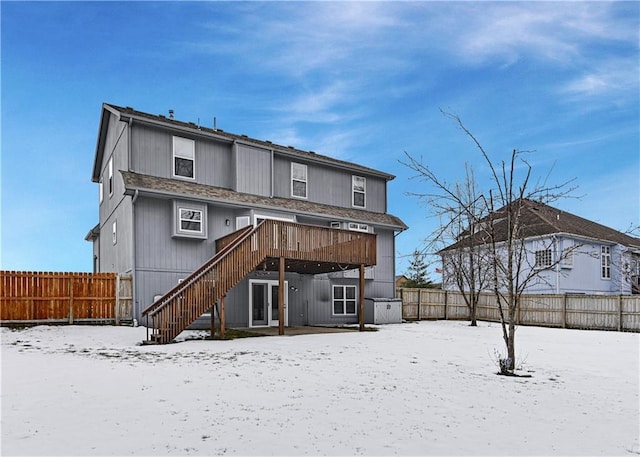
point(472, 310)
point(511, 346)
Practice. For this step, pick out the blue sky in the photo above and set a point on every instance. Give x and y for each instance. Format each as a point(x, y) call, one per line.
point(357, 81)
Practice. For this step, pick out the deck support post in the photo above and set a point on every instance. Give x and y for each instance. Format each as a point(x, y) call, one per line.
point(223, 319)
point(214, 309)
point(281, 296)
point(361, 298)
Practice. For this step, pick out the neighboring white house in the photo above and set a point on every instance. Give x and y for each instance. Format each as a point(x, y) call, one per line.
point(572, 254)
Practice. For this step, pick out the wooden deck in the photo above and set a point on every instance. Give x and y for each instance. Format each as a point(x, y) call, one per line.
point(272, 245)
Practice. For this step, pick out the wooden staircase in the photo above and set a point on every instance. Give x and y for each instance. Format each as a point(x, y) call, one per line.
point(311, 249)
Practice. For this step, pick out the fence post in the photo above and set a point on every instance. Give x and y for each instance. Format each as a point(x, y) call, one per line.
point(70, 298)
point(620, 324)
point(564, 311)
point(117, 310)
point(419, 302)
point(446, 299)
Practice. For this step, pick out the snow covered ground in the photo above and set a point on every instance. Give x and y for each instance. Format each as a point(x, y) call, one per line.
point(424, 388)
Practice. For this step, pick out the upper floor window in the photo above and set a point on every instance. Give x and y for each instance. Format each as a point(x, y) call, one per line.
point(344, 300)
point(359, 186)
point(605, 262)
point(543, 258)
point(110, 177)
point(184, 153)
point(298, 180)
point(114, 231)
point(100, 190)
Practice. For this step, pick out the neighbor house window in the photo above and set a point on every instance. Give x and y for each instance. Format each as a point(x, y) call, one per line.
point(190, 219)
point(543, 258)
point(110, 177)
point(344, 300)
point(114, 231)
point(184, 153)
point(298, 180)
point(605, 262)
point(359, 186)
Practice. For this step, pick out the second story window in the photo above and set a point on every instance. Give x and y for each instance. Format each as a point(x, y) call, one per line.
point(184, 153)
point(100, 190)
point(298, 180)
point(605, 262)
point(110, 179)
point(359, 186)
point(543, 258)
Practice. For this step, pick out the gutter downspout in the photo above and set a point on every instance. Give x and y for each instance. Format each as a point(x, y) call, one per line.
point(134, 301)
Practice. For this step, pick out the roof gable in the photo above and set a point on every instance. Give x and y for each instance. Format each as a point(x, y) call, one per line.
point(128, 113)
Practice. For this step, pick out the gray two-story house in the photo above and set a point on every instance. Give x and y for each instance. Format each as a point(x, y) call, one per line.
point(201, 218)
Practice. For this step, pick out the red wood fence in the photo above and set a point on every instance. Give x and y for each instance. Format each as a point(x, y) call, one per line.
point(41, 297)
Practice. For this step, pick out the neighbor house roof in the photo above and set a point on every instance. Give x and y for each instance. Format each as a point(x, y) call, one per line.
point(128, 114)
point(177, 188)
point(538, 219)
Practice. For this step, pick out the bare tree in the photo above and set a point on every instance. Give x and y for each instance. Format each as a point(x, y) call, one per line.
point(492, 232)
point(459, 208)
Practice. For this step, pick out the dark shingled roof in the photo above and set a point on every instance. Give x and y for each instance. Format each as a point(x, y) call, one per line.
point(538, 219)
point(226, 136)
point(186, 189)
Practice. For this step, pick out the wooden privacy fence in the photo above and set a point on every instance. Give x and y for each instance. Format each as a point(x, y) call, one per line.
point(597, 312)
point(44, 298)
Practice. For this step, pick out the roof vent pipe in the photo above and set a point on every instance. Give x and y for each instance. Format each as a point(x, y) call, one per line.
point(215, 123)
point(170, 114)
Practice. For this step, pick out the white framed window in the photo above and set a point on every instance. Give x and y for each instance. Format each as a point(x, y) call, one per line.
point(114, 231)
point(298, 180)
point(100, 190)
point(184, 153)
point(344, 300)
point(543, 258)
point(359, 187)
point(335, 224)
point(605, 262)
point(110, 177)
point(190, 220)
point(357, 227)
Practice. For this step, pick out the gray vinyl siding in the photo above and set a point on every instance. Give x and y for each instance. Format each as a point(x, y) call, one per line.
point(252, 170)
point(152, 154)
point(331, 186)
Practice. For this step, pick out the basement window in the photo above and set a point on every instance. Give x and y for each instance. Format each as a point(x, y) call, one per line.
point(357, 227)
point(344, 300)
point(184, 153)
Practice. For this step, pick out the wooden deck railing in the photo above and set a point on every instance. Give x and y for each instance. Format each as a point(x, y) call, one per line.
point(239, 254)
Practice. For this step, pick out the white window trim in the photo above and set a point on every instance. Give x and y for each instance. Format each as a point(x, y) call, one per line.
point(178, 231)
point(354, 191)
point(335, 224)
point(191, 156)
point(358, 227)
point(110, 166)
point(305, 180)
point(199, 221)
point(273, 218)
point(100, 190)
point(605, 262)
point(114, 232)
point(344, 300)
